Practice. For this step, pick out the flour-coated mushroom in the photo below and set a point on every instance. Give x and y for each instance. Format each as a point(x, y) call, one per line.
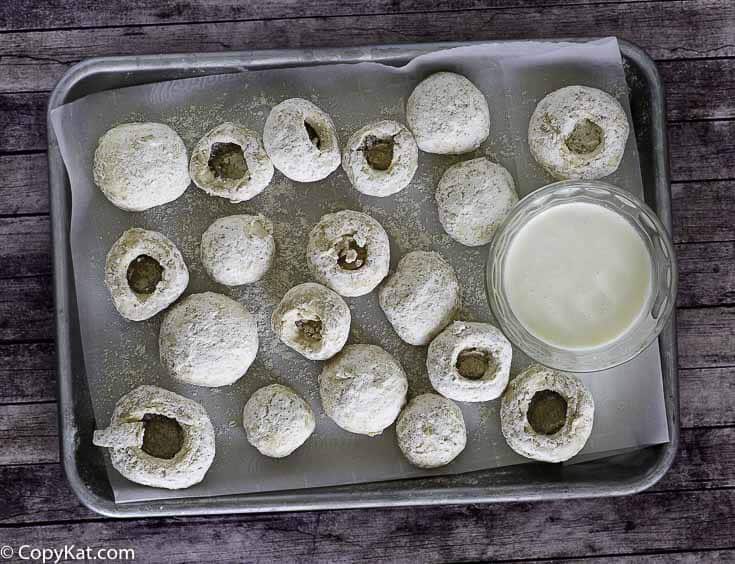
point(473, 198)
point(363, 389)
point(469, 362)
point(546, 415)
point(381, 158)
point(348, 251)
point(312, 320)
point(208, 340)
point(448, 115)
point(238, 249)
point(277, 420)
point(158, 438)
point(578, 132)
point(138, 166)
point(421, 297)
point(431, 431)
point(230, 162)
point(301, 140)
point(145, 273)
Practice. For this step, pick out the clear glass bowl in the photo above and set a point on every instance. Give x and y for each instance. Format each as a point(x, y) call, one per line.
point(663, 287)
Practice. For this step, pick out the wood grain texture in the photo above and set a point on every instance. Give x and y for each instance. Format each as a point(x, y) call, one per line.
point(660, 522)
point(26, 246)
point(27, 373)
point(706, 337)
point(25, 184)
point(707, 396)
point(28, 433)
point(703, 150)
point(706, 274)
point(703, 211)
point(89, 13)
point(36, 60)
point(26, 309)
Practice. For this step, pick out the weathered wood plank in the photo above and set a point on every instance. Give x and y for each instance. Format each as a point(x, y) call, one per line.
point(28, 433)
point(26, 309)
point(629, 525)
point(703, 211)
point(23, 122)
point(706, 274)
point(36, 60)
point(89, 13)
point(699, 89)
point(686, 557)
point(27, 372)
point(36, 493)
point(702, 150)
point(25, 184)
point(706, 337)
point(707, 396)
point(26, 246)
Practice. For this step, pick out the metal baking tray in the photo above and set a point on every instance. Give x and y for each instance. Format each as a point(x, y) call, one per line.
point(84, 466)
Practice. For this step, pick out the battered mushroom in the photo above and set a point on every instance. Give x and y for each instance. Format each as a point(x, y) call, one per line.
point(208, 340)
point(230, 162)
point(448, 115)
point(431, 431)
point(469, 362)
point(158, 438)
point(349, 252)
point(381, 158)
point(145, 273)
point(138, 166)
point(473, 198)
point(312, 320)
point(546, 415)
point(301, 140)
point(421, 297)
point(277, 420)
point(238, 249)
point(578, 132)
point(363, 389)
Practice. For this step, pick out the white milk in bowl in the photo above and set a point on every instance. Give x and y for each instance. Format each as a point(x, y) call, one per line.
point(577, 276)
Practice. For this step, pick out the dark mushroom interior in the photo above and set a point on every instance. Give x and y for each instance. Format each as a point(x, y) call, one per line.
point(227, 161)
point(313, 135)
point(351, 256)
point(163, 436)
point(310, 329)
point(378, 152)
point(585, 138)
point(144, 274)
point(547, 412)
point(473, 363)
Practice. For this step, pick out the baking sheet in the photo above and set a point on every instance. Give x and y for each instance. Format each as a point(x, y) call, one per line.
point(120, 355)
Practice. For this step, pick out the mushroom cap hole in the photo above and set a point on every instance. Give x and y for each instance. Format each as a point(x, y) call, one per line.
point(227, 161)
point(144, 273)
point(547, 412)
point(474, 363)
point(163, 437)
point(378, 152)
point(313, 135)
point(585, 138)
point(310, 329)
point(350, 255)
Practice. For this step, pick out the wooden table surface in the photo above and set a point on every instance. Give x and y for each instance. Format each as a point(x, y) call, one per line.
point(688, 517)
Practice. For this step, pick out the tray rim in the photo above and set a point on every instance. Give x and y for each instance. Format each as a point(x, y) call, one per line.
point(322, 498)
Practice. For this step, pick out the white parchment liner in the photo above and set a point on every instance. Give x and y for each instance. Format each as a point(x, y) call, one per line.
point(120, 355)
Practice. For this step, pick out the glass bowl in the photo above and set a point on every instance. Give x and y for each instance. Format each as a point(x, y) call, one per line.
point(657, 309)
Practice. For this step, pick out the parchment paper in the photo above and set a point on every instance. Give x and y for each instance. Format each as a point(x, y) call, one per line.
point(121, 355)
